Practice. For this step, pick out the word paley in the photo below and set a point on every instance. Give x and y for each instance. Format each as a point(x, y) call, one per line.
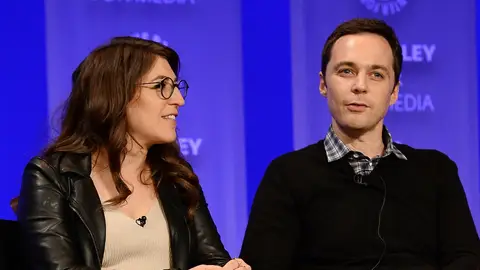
point(190, 146)
point(159, 2)
point(418, 52)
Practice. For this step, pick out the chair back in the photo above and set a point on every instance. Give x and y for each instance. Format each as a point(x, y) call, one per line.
point(11, 254)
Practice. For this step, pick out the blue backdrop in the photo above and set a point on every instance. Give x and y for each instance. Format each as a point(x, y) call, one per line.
point(24, 113)
point(253, 71)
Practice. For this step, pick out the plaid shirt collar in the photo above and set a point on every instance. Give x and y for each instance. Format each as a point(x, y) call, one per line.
point(336, 149)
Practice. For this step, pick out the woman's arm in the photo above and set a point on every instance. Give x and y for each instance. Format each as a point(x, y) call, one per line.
point(43, 212)
point(209, 250)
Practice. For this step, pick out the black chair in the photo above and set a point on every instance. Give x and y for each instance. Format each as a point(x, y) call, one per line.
point(11, 254)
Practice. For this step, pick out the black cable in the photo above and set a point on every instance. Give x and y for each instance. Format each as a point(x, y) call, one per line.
point(380, 223)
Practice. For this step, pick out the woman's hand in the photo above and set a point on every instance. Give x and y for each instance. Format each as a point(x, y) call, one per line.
point(206, 267)
point(236, 264)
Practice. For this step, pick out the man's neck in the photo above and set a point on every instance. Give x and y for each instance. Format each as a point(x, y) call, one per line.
point(369, 143)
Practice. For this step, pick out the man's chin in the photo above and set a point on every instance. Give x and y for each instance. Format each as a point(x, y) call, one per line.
point(355, 127)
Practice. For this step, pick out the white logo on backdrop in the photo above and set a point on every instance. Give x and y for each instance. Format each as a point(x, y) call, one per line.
point(418, 52)
point(409, 102)
point(159, 2)
point(385, 7)
point(190, 146)
point(154, 37)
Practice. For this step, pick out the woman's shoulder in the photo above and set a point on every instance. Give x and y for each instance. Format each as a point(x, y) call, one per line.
point(55, 160)
point(48, 168)
point(44, 163)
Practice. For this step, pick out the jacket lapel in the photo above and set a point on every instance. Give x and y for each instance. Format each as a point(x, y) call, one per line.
point(175, 213)
point(84, 199)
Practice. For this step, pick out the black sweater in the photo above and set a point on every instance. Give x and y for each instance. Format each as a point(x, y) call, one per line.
point(310, 214)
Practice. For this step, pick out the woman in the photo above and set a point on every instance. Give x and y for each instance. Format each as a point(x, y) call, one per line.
point(113, 191)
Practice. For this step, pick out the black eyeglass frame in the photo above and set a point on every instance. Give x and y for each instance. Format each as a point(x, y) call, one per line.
point(159, 86)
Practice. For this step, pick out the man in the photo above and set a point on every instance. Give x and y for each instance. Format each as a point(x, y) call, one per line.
point(356, 200)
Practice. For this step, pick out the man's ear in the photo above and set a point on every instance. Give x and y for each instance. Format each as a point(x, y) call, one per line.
point(394, 95)
point(323, 85)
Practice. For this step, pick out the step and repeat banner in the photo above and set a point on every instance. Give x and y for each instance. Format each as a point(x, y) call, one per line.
point(437, 105)
point(207, 36)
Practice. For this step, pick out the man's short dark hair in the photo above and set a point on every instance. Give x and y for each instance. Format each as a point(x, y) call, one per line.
point(362, 25)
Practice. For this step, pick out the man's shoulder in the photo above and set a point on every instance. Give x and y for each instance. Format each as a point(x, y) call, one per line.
point(285, 171)
point(423, 154)
point(313, 153)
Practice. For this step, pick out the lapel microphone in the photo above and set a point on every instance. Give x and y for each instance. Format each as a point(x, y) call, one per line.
point(141, 221)
point(358, 179)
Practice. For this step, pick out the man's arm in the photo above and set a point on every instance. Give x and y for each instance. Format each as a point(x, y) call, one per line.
point(273, 227)
point(458, 241)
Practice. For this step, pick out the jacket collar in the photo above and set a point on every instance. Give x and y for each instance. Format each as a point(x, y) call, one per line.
point(76, 163)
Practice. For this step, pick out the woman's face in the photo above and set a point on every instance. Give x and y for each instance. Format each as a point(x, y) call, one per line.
point(151, 118)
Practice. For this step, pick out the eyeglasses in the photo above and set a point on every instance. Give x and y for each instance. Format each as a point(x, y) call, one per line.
point(166, 86)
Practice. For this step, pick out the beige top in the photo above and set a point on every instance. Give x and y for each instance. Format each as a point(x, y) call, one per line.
point(129, 246)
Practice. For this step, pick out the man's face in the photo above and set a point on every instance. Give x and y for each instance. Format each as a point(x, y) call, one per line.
point(359, 81)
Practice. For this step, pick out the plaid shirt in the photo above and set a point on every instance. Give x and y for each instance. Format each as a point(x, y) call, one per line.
point(360, 163)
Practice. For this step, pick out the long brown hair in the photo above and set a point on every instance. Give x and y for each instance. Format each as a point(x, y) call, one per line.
point(94, 116)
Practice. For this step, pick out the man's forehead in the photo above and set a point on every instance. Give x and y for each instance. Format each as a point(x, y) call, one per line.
point(361, 54)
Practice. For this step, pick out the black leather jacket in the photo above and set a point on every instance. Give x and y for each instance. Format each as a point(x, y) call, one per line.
point(60, 214)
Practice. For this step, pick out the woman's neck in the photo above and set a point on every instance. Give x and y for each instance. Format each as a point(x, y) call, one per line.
point(133, 162)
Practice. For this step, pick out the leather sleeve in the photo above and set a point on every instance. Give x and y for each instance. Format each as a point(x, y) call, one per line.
point(43, 216)
point(209, 250)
